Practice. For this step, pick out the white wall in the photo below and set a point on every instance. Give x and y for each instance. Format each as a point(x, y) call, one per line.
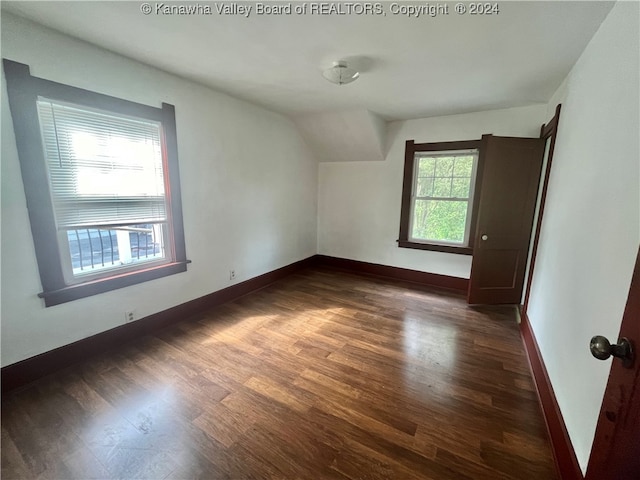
point(359, 202)
point(591, 225)
point(249, 193)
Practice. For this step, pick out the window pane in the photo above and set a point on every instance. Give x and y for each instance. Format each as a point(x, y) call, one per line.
point(460, 188)
point(442, 187)
point(425, 187)
point(95, 249)
point(426, 167)
point(439, 220)
point(464, 166)
point(444, 166)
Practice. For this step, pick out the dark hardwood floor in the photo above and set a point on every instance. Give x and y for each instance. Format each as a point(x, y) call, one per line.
point(321, 375)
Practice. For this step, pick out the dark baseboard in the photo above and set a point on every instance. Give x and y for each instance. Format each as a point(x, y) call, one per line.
point(563, 452)
point(25, 371)
point(415, 276)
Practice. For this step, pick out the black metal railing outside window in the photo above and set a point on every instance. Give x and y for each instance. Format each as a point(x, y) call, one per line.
point(93, 249)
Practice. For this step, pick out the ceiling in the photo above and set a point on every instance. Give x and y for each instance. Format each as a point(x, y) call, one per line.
point(410, 67)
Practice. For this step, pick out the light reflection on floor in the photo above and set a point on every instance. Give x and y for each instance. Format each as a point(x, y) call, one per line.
point(143, 426)
point(431, 350)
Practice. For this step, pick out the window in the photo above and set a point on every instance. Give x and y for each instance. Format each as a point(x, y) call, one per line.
point(438, 196)
point(102, 185)
point(107, 188)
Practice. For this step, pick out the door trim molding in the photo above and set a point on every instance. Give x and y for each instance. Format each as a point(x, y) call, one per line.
point(563, 453)
point(549, 130)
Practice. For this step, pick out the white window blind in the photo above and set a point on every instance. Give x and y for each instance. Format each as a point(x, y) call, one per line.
point(104, 169)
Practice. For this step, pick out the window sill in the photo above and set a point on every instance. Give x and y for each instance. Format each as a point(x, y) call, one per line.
point(436, 248)
point(87, 289)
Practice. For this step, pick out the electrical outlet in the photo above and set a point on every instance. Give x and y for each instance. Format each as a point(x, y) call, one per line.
point(130, 316)
point(232, 274)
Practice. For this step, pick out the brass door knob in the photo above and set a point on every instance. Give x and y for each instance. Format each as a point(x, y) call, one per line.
point(602, 349)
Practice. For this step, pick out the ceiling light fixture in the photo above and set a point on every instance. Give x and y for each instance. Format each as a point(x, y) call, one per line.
point(341, 73)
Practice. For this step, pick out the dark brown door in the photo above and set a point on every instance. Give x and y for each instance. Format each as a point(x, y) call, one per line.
point(615, 453)
point(509, 187)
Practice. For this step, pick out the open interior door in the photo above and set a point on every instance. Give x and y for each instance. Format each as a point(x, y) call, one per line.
point(615, 453)
point(509, 187)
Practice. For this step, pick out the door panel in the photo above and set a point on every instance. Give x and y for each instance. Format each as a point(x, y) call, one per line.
point(510, 177)
point(615, 453)
point(498, 268)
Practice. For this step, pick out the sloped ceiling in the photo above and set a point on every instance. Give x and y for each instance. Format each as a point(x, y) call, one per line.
point(345, 136)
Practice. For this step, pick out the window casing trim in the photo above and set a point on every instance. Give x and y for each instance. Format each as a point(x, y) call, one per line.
point(411, 148)
point(114, 282)
point(23, 92)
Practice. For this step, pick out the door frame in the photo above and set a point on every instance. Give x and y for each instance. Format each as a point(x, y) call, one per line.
point(548, 130)
point(603, 445)
point(564, 455)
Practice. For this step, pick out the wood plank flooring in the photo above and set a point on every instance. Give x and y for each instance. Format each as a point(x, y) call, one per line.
point(322, 375)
